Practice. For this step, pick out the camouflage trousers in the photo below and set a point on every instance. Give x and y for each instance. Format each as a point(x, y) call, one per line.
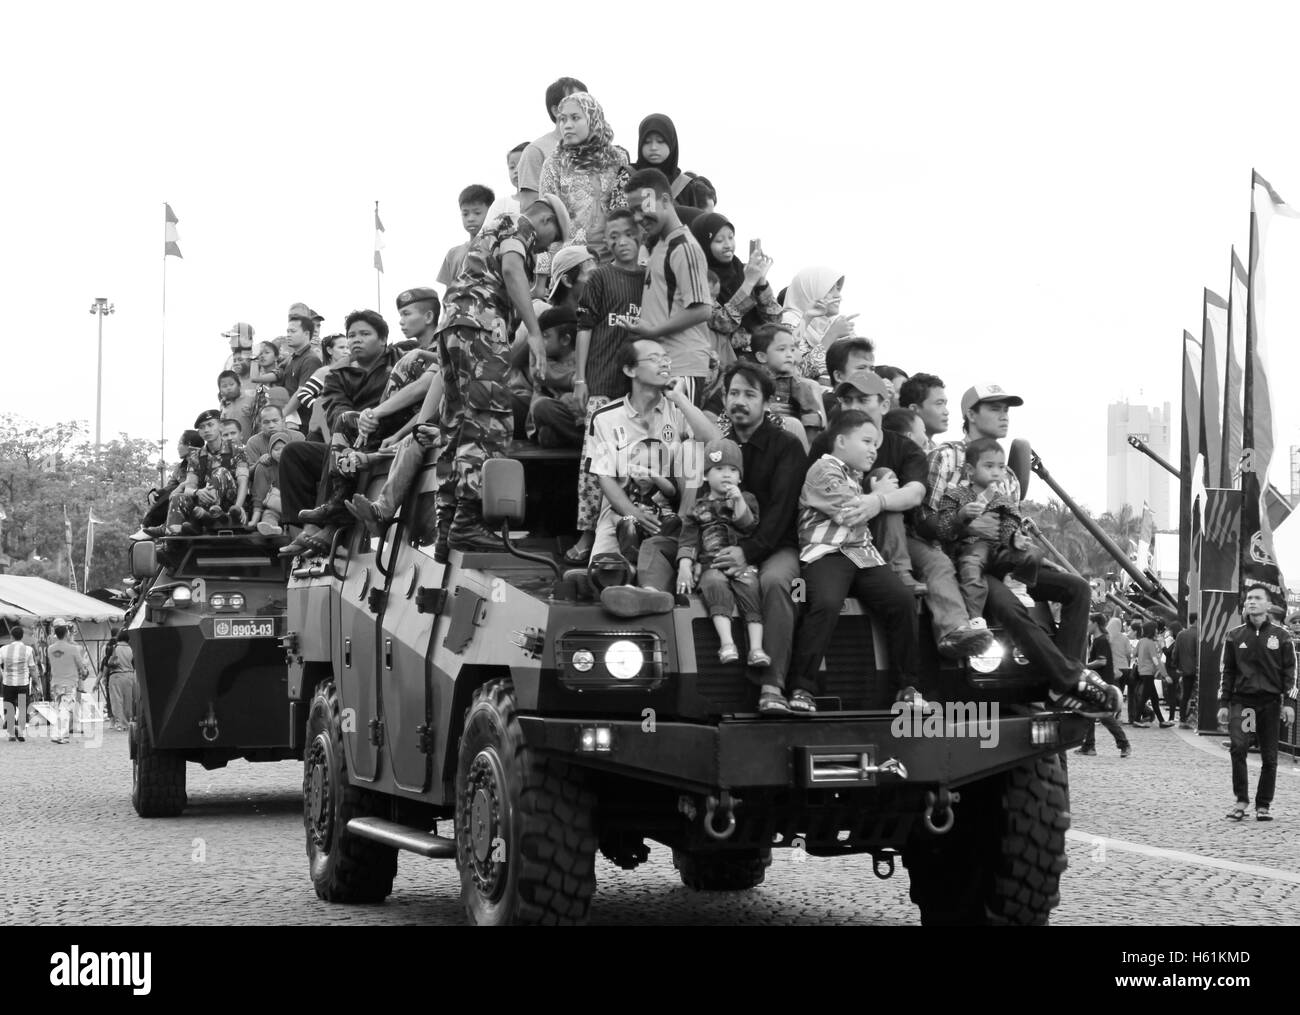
point(589, 495)
point(182, 503)
point(477, 419)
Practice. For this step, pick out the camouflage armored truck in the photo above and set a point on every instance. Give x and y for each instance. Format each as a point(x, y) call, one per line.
point(489, 692)
point(209, 665)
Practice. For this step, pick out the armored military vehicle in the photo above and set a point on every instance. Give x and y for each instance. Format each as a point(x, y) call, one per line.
point(209, 664)
point(490, 693)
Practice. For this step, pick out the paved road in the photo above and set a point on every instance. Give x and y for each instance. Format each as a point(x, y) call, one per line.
point(1150, 845)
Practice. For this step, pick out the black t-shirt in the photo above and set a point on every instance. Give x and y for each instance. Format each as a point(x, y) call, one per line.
point(1100, 649)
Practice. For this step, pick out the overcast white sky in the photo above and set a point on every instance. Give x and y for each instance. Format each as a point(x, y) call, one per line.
point(1023, 193)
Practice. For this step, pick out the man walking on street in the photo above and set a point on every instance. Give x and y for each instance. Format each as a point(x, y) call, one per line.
point(19, 666)
point(68, 667)
point(1100, 661)
point(1186, 665)
point(1258, 676)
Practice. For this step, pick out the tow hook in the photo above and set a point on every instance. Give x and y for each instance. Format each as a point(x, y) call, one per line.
point(727, 806)
point(940, 806)
point(883, 866)
point(208, 724)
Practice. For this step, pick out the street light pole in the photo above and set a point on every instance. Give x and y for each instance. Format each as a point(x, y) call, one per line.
point(102, 308)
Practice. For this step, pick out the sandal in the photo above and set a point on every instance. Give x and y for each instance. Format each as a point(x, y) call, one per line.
point(759, 659)
point(802, 702)
point(580, 558)
point(1237, 813)
point(728, 654)
point(773, 704)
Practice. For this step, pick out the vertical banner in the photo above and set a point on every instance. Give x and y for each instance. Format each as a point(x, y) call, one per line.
point(1189, 442)
point(1219, 558)
point(1214, 332)
point(1232, 375)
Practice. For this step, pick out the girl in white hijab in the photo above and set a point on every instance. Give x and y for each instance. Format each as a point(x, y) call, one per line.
point(812, 312)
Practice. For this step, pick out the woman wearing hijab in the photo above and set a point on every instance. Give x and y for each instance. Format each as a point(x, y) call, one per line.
point(744, 301)
point(812, 312)
point(656, 148)
point(587, 171)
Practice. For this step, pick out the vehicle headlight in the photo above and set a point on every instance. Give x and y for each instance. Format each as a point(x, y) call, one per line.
point(181, 594)
point(988, 660)
point(217, 601)
point(624, 660)
point(583, 660)
point(236, 601)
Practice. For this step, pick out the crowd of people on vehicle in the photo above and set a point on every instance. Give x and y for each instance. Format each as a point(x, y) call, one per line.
point(731, 439)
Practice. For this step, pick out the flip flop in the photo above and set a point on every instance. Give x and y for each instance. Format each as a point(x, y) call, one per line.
point(802, 703)
point(773, 704)
point(578, 559)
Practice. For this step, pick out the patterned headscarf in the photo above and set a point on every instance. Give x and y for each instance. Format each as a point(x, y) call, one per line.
point(597, 152)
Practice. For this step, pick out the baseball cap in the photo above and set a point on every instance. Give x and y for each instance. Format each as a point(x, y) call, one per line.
point(565, 259)
point(240, 335)
point(868, 382)
point(988, 393)
point(302, 310)
point(561, 215)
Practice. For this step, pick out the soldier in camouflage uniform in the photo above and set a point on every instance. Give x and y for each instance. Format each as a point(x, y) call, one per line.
point(481, 311)
point(216, 480)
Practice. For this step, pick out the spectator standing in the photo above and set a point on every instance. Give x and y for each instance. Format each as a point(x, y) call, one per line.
point(19, 665)
point(1257, 690)
point(588, 172)
point(1100, 662)
point(122, 684)
point(236, 404)
point(1149, 664)
point(1122, 658)
point(68, 667)
point(474, 200)
point(535, 155)
point(657, 148)
point(1185, 667)
point(676, 305)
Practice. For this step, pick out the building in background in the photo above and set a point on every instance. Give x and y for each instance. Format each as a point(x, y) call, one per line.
point(1132, 478)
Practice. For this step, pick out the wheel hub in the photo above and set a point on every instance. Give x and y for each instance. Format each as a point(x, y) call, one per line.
point(320, 820)
point(482, 799)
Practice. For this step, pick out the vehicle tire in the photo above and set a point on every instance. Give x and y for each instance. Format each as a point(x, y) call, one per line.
point(1001, 863)
point(525, 834)
point(157, 778)
point(344, 867)
point(731, 870)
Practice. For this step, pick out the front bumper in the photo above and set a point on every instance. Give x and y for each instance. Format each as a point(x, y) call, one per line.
point(833, 750)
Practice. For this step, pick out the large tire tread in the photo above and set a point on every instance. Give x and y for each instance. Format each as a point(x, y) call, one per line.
point(734, 870)
point(158, 783)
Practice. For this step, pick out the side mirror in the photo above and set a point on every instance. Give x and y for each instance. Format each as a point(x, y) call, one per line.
point(144, 559)
point(503, 491)
point(1018, 461)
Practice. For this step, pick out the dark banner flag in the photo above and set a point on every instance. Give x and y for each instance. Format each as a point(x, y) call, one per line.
point(1259, 565)
point(1214, 331)
point(1190, 442)
point(1231, 457)
point(1219, 576)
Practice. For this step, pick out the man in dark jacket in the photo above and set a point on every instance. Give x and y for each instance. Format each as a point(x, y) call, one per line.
point(1100, 661)
point(1185, 665)
point(1258, 676)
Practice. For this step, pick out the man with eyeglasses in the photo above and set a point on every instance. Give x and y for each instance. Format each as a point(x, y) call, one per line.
point(643, 451)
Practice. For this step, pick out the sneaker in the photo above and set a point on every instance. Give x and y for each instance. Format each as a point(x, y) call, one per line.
point(972, 638)
point(1237, 813)
point(634, 601)
point(475, 539)
point(269, 529)
point(1090, 696)
point(1262, 814)
point(1087, 752)
point(1166, 724)
point(759, 659)
point(726, 654)
point(1125, 751)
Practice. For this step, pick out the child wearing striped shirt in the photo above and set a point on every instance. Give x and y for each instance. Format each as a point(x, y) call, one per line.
point(839, 559)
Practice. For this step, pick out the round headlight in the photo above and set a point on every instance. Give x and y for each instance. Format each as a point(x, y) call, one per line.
point(236, 600)
point(988, 660)
point(623, 659)
point(217, 601)
point(583, 660)
point(181, 594)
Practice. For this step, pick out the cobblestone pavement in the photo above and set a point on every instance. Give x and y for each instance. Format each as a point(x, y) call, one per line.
point(237, 854)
